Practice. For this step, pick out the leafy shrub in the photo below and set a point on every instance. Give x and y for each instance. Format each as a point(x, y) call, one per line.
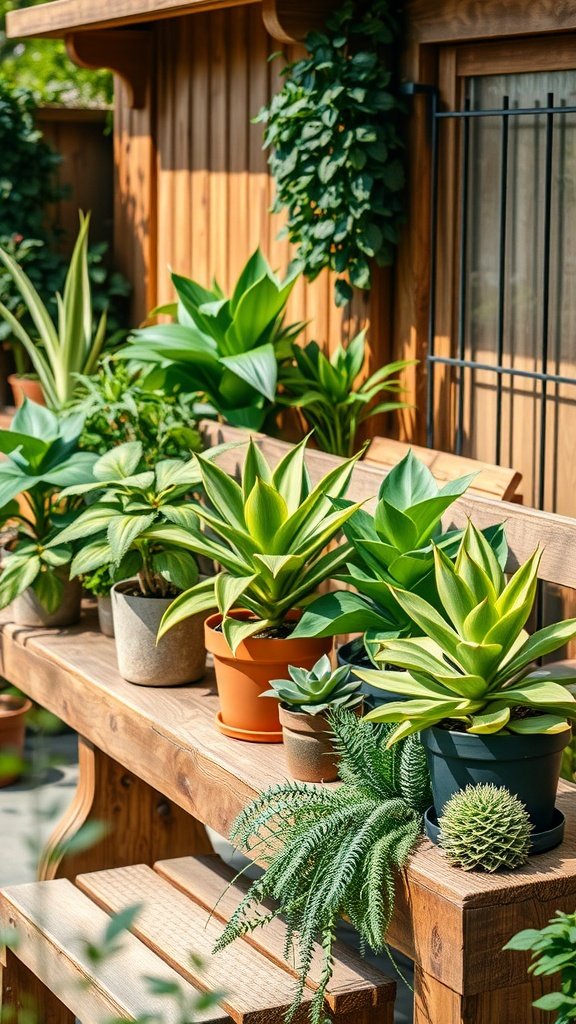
point(553, 952)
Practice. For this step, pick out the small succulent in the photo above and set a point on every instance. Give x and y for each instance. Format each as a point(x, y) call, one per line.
point(317, 689)
point(485, 827)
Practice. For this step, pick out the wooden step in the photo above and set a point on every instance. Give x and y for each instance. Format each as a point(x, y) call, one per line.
point(55, 923)
point(354, 985)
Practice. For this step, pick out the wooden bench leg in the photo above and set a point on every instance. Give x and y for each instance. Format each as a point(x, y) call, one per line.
point(435, 1003)
point(143, 826)
point(26, 999)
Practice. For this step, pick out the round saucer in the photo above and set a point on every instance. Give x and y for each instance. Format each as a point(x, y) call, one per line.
point(247, 734)
point(541, 841)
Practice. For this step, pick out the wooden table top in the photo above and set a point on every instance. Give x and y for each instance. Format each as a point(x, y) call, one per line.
point(168, 737)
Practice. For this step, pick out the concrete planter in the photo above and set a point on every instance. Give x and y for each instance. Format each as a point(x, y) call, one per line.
point(27, 610)
point(179, 657)
point(105, 619)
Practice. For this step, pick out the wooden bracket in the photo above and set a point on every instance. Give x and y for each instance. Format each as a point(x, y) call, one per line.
point(289, 21)
point(126, 52)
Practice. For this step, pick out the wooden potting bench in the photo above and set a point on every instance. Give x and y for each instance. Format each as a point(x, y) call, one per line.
point(154, 766)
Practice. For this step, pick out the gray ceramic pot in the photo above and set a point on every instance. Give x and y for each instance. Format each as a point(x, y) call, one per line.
point(180, 657)
point(105, 620)
point(28, 611)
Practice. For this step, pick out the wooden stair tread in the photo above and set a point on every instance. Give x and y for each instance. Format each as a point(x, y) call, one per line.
point(256, 990)
point(54, 922)
point(208, 881)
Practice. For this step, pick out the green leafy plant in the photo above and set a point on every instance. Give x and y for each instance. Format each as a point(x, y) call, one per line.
point(393, 547)
point(271, 530)
point(118, 408)
point(130, 498)
point(41, 458)
point(553, 952)
point(334, 852)
point(329, 397)
point(475, 663)
point(333, 131)
point(224, 348)
point(485, 827)
point(58, 352)
point(317, 689)
point(100, 581)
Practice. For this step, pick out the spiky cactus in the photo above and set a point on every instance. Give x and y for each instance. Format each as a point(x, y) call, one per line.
point(317, 689)
point(485, 827)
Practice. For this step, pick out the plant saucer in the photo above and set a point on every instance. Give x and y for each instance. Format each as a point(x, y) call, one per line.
point(541, 841)
point(248, 735)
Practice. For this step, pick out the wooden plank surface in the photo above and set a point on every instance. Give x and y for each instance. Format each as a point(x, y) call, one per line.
point(61, 16)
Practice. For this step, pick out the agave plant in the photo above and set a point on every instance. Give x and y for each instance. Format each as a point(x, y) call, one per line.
point(59, 351)
point(224, 348)
point(317, 689)
point(394, 547)
point(272, 530)
point(325, 390)
point(475, 662)
point(333, 852)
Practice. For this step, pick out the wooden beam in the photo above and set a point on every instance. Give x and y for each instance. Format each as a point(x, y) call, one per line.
point(290, 21)
point(441, 21)
point(63, 16)
point(125, 52)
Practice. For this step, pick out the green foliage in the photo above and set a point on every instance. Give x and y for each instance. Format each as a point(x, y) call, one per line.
point(72, 345)
point(393, 547)
point(272, 530)
point(129, 499)
point(553, 952)
point(334, 852)
point(334, 134)
point(41, 457)
point(317, 689)
point(475, 663)
point(224, 348)
point(485, 827)
point(329, 397)
point(118, 408)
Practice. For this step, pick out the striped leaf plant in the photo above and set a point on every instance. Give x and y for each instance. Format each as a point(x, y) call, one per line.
point(475, 662)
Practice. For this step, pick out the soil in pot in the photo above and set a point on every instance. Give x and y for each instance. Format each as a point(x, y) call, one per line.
point(528, 766)
point(26, 387)
point(13, 711)
point(105, 619)
point(242, 677)
point(28, 611)
point(179, 657)
point(308, 743)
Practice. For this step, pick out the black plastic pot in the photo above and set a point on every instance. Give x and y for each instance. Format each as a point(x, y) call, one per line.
point(528, 766)
point(353, 655)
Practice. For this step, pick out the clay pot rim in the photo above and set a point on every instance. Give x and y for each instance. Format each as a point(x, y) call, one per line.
point(257, 648)
point(24, 705)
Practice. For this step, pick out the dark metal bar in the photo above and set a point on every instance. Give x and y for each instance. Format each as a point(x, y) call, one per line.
point(549, 153)
point(462, 273)
point(433, 268)
point(501, 273)
point(512, 112)
point(509, 371)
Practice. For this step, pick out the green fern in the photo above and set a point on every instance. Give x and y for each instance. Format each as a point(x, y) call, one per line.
point(334, 852)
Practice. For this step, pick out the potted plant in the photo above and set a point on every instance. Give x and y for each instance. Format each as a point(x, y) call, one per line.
point(391, 547)
point(305, 698)
point(99, 583)
point(13, 710)
point(225, 348)
point(326, 392)
point(485, 711)
point(112, 533)
point(272, 532)
point(41, 457)
point(58, 351)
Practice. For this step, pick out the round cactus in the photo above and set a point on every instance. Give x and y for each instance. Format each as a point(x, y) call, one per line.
point(485, 827)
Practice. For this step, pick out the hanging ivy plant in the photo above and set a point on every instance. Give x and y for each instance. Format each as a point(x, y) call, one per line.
point(335, 146)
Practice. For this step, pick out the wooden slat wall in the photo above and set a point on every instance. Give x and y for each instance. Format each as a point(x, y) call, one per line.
point(209, 193)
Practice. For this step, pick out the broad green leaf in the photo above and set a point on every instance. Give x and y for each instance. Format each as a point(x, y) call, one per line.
point(290, 476)
point(480, 551)
point(395, 526)
point(521, 590)
point(177, 567)
point(223, 492)
point(479, 623)
point(495, 717)
point(538, 724)
point(407, 483)
point(455, 594)
point(543, 642)
point(121, 461)
point(406, 685)
point(176, 473)
point(429, 620)
point(48, 588)
point(254, 270)
point(14, 582)
point(258, 368)
point(265, 513)
point(91, 556)
point(237, 630)
point(339, 611)
point(92, 520)
point(200, 598)
point(123, 530)
point(58, 555)
point(181, 515)
point(35, 421)
point(255, 466)
point(482, 659)
point(229, 589)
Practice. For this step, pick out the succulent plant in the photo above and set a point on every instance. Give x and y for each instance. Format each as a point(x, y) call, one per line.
point(485, 827)
point(317, 689)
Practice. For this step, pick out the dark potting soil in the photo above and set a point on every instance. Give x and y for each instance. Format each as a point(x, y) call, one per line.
point(281, 632)
point(136, 592)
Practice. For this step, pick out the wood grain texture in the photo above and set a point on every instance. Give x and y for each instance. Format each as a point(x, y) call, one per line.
point(434, 1003)
point(126, 53)
point(438, 21)
point(54, 922)
point(23, 997)
point(61, 16)
point(207, 880)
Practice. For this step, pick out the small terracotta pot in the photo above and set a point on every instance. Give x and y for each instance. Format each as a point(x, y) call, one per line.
point(105, 619)
point(28, 611)
point(243, 676)
point(26, 387)
point(13, 711)
point(179, 657)
point(309, 745)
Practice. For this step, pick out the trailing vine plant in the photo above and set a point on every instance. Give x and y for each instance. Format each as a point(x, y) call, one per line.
point(335, 146)
point(333, 852)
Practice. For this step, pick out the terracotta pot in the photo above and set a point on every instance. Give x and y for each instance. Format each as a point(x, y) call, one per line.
point(26, 387)
point(27, 610)
point(105, 618)
point(309, 745)
point(13, 711)
point(243, 676)
point(179, 657)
